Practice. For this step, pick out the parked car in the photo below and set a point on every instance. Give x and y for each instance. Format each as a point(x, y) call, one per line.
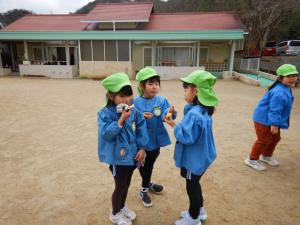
point(291, 47)
point(269, 49)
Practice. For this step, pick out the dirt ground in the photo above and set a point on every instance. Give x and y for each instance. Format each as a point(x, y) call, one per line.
point(50, 174)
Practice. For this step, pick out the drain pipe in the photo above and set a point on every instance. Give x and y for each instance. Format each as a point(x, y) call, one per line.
point(2, 27)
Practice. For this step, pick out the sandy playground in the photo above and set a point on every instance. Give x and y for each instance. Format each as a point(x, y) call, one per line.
point(50, 174)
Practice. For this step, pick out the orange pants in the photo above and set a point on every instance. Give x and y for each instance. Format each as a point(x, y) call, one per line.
point(265, 143)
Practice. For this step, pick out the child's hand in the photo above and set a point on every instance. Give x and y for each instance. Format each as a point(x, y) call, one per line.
point(274, 130)
point(170, 113)
point(140, 156)
point(147, 115)
point(172, 110)
point(170, 121)
point(124, 116)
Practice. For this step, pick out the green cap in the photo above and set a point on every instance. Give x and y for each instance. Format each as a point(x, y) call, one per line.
point(144, 74)
point(286, 70)
point(115, 82)
point(204, 81)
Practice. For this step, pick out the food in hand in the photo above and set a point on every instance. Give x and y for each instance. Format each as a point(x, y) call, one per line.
point(168, 116)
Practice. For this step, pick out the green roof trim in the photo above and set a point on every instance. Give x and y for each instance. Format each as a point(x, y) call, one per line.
point(124, 35)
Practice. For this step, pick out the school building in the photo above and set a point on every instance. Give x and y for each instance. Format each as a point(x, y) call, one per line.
point(115, 37)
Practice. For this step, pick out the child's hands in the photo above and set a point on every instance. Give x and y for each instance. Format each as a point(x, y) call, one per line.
point(140, 156)
point(170, 121)
point(124, 116)
point(147, 115)
point(274, 130)
point(171, 112)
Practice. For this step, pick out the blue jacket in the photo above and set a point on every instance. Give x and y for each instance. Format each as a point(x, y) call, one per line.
point(159, 107)
point(119, 145)
point(275, 107)
point(195, 147)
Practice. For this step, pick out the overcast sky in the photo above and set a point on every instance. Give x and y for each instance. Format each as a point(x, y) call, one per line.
point(43, 6)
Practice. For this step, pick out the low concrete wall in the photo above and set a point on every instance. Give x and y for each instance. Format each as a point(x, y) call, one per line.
point(53, 71)
point(170, 73)
point(5, 71)
point(245, 79)
point(102, 69)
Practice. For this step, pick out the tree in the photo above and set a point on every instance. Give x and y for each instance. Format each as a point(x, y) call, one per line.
point(12, 15)
point(263, 16)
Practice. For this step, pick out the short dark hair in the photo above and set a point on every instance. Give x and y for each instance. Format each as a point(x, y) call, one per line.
point(151, 80)
point(124, 92)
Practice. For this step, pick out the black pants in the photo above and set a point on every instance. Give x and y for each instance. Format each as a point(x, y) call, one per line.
point(146, 170)
point(120, 193)
point(194, 191)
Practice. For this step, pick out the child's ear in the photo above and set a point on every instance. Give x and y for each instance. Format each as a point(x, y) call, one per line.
point(110, 96)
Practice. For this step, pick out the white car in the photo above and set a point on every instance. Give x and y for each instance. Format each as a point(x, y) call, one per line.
point(291, 47)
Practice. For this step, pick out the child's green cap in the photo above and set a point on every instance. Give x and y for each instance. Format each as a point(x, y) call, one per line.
point(145, 74)
point(286, 70)
point(115, 82)
point(204, 81)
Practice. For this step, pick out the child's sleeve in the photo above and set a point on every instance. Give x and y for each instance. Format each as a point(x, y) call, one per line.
point(108, 127)
point(188, 130)
point(142, 138)
point(277, 105)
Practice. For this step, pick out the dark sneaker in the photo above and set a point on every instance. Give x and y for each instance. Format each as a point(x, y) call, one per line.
point(145, 198)
point(156, 188)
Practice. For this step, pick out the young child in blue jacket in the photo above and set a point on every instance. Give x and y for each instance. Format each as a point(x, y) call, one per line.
point(154, 109)
point(270, 115)
point(121, 142)
point(195, 148)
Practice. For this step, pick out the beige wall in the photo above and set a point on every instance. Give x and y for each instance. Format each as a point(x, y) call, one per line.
point(137, 58)
point(218, 52)
point(100, 69)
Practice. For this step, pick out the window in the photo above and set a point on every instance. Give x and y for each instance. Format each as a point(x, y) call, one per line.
point(110, 51)
point(61, 53)
point(37, 53)
point(98, 50)
point(85, 50)
point(123, 50)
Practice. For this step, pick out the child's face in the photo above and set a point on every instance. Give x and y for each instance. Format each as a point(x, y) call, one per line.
point(151, 89)
point(118, 99)
point(290, 80)
point(190, 93)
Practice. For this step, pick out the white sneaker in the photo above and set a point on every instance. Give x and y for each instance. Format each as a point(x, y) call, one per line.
point(129, 214)
point(119, 219)
point(255, 164)
point(188, 220)
point(270, 160)
point(202, 214)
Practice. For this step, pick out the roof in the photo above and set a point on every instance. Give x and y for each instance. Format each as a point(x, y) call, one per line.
point(194, 21)
point(108, 12)
point(51, 22)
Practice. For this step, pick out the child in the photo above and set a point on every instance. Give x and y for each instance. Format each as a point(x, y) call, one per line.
point(272, 113)
point(121, 139)
point(154, 109)
point(195, 147)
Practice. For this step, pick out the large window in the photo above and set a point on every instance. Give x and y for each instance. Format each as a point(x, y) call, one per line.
point(123, 50)
point(98, 50)
point(109, 50)
point(37, 53)
point(86, 50)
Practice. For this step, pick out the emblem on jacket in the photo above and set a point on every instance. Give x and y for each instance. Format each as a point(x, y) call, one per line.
point(133, 127)
point(157, 111)
point(122, 152)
